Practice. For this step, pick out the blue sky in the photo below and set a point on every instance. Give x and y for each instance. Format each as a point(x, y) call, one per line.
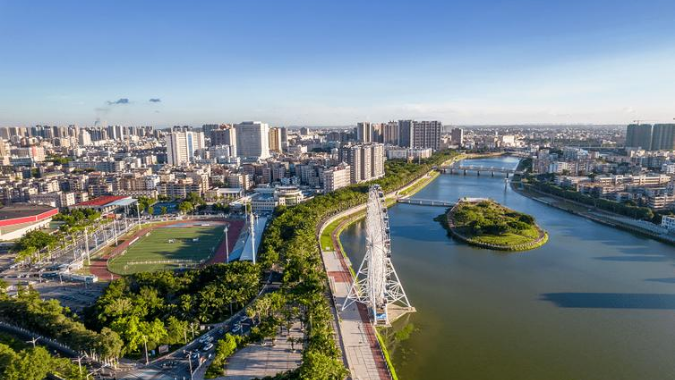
point(336, 62)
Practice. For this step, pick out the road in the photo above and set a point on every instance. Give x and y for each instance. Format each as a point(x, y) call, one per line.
point(175, 366)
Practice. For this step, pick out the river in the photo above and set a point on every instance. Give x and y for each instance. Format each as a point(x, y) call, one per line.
point(594, 303)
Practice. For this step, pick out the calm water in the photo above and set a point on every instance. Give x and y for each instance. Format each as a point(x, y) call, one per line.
point(593, 303)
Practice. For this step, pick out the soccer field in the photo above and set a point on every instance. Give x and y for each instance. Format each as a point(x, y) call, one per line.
point(168, 247)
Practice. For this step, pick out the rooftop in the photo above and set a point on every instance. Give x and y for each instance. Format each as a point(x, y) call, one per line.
point(102, 201)
point(22, 211)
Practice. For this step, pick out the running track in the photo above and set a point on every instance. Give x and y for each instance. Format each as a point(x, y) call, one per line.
point(99, 265)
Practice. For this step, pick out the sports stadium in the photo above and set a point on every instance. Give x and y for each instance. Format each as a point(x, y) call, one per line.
point(172, 245)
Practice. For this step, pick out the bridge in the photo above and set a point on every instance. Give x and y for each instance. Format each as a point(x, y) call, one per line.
point(425, 202)
point(459, 168)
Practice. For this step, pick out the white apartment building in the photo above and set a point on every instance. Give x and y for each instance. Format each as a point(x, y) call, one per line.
point(253, 140)
point(366, 162)
point(397, 153)
point(181, 147)
point(336, 177)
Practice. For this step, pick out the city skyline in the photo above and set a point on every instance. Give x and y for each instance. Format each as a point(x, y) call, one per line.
point(334, 64)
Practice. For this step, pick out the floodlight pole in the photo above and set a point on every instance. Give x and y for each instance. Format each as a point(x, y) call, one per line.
point(86, 245)
point(227, 244)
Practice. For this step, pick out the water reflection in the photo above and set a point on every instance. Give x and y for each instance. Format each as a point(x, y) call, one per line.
point(612, 300)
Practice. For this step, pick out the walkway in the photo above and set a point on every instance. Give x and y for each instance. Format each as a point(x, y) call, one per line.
point(362, 350)
point(260, 360)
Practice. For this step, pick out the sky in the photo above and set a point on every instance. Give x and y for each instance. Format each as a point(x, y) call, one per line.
point(329, 63)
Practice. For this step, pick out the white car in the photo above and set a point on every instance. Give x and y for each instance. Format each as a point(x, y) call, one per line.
point(207, 347)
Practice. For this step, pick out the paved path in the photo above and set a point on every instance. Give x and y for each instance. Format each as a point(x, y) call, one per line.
point(359, 344)
point(258, 361)
point(364, 355)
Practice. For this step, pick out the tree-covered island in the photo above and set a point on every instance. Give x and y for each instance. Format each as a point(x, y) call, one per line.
point(486, 223)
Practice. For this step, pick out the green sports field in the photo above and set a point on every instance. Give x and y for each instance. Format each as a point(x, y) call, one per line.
point(170, 247)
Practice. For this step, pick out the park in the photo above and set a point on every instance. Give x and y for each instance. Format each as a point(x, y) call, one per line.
point(486, 223)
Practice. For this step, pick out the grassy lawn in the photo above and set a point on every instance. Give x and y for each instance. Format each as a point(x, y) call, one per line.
point(421, 184)
point(491, 223)
point(164, 246)
point(509, 238)
point(326, 240)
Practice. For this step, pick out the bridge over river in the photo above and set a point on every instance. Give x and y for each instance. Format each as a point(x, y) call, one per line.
point(425, 202)
point(462, 168)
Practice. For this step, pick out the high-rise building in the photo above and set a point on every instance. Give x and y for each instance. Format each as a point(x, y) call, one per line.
point(336, 177)
point(84, 138)
point(427, 134)
point(391, 133)
point(208, 128)
point(420, 134)
point(225, 135)
point(457, 136)
point(639, 136)
point(364, 132)
point(253, 140)
point(378, 133)
point(405, 129)
point(366, 161)
point(377, 157)
point(284, 139)
point(181, 147)
point(663, 137)
point(352, 156)
point(275, 140)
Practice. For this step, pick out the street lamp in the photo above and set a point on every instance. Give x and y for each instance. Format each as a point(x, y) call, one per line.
point(227, 245)
point(189, 355)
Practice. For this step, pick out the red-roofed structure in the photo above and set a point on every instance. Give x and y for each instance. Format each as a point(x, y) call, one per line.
point(100, 201)
point(104, 204)
point(16, 220)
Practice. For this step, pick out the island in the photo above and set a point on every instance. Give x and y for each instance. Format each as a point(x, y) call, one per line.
point(485, 223)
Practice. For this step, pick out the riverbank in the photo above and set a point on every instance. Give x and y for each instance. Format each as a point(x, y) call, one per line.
point(363, 351)
point(499, 227)
point(598, 216)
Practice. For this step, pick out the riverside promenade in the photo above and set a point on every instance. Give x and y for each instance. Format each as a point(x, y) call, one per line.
point(357, 336)
point(363, 354)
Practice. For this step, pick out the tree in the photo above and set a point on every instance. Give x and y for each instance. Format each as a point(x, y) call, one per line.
point(317, 366)
point(293, 341)
point(153, 333)
point(110, 344)
point(176, 330)
point(185, 207)
point(7, 357)
point(163, 210)
point(226, 346)
point(31, 364)
point(151, 210)
point(129, 329)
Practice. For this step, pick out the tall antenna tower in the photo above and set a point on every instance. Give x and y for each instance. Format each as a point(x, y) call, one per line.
point(376, 283)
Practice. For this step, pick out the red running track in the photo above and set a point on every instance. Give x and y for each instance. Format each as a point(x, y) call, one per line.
point(99, 265)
